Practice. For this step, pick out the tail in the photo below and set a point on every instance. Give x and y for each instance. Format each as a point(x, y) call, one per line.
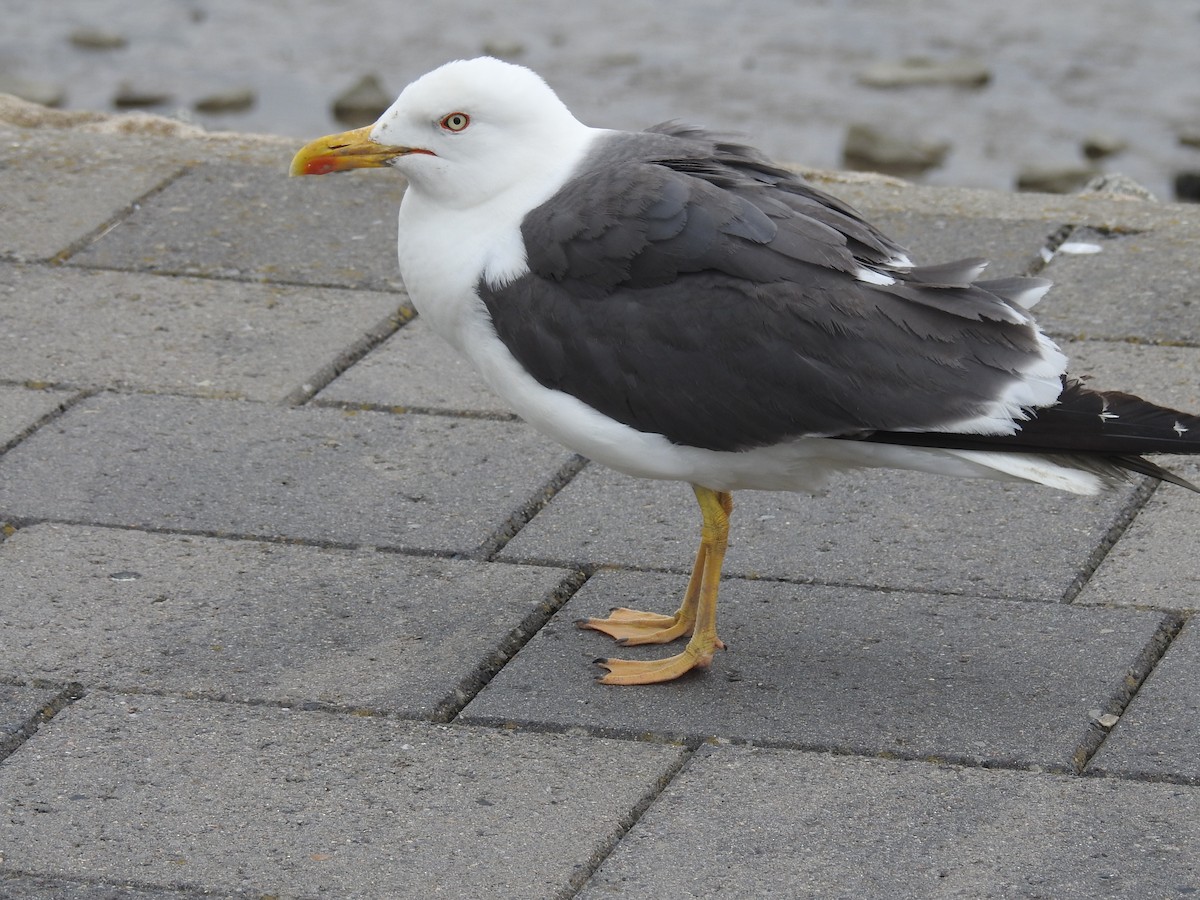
point(1105, 432)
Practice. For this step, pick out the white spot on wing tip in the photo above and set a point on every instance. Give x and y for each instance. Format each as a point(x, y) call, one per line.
point(1029, 297)
point(870, 276)
point(1179, 429)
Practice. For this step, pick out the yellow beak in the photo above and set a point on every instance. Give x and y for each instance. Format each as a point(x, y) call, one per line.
point(348, 150)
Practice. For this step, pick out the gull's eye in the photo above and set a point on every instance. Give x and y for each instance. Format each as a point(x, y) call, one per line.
point(455, 121)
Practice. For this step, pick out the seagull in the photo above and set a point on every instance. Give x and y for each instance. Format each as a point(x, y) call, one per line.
point(674, 305)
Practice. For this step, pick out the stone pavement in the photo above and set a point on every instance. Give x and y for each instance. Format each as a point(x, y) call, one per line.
point(286, 598)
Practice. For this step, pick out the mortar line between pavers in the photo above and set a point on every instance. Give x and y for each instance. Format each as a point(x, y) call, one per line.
point(358, 348)
point(202, 276)
point(1141, 669)
point(119, 217)
point(440, 411)
point(491, 546)
point(1022, 767)
point(580, 879)
point(22, 522)
point(174, 890)
point(27, 729)
point(551, 562)
point(1125, 517)
point(509, 646)
point(77, 396)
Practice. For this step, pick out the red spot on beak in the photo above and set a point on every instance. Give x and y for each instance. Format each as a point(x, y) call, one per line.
point(321, 165)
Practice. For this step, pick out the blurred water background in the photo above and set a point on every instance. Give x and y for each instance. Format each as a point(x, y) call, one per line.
point(1002, 90)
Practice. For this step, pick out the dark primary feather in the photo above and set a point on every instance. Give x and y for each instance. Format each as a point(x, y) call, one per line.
point(687, 287)
point(1111, 426)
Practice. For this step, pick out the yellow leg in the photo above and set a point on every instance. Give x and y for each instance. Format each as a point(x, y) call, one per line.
point(696, 616)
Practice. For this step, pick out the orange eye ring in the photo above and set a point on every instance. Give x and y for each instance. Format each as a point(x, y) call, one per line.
point(455, 121)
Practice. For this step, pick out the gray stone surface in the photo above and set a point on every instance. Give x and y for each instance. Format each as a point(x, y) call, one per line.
point(20, 709)
point(836, 668)
point(267, 801)
point(1155, 562)
point(251, 621)
point(877, 529)
point(1159, 734)
point(184, 335)
point(59, 187)
point(253, 222)
point(323, 475)
point(1163, 374)
point(243, 535)
point(1152, 278)
point(21, 408)
point(762, 823)
point(414, 369)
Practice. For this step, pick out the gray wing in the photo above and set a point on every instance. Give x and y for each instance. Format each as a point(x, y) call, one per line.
point(693, 290)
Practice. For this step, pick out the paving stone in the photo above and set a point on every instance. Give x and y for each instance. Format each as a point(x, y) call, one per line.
point(878, 529)
point(59, 187)
point(190, 335)
point(1163, 375)
point(232, 220)
point(250, 621)
point(1139, 286)
point(1155, 561)
point(838, 668)
point(763, 823)
point(1105, 212)
point(1151, 565)
point(19, 706)
point(21, 408)
point(414, 368)
point(325, 475)
point(324, 805)
point(1159, 733)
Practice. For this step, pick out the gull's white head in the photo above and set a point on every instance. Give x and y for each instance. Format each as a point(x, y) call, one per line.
point(462, 134)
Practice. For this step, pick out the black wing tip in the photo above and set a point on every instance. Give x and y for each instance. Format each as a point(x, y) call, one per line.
point(1142, 466)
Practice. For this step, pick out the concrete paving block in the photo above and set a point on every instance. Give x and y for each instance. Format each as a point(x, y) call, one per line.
point(1105, 212)
point(324, 475)
point(190, 335)
point(21, 408)
point(190, 615)
point(58, 186)
point(263, 801)
point(1154, 562)
point(252, 222)
point(1157, 560)
point(1164, 375)
point(763, 823)
point(1159, 733)
point(1138, 286)
point(838, 668)
point(884, 529)
point(414, 368)
point(19, 708)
